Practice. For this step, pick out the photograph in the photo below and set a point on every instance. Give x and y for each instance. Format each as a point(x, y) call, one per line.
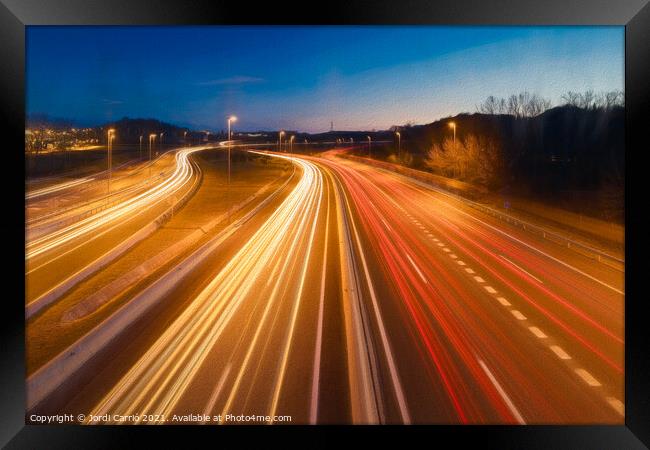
point(325, 224)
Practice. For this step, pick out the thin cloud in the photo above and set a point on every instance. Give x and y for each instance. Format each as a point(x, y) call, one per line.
point(239, 79)
point(112, 102)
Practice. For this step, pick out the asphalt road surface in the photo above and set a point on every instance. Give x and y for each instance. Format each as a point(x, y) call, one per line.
point(362, 296)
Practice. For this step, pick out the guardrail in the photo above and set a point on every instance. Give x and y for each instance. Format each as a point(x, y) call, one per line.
point(50, 296)
point(582, 248)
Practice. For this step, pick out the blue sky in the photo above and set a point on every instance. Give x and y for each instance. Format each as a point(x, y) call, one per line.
point(301, 78)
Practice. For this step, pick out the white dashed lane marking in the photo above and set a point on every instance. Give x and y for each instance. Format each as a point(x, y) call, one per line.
point(617, 405)
point(587, 377)
point(468, 270)
point(559, 352)
point(479, 279)
point(518, 315)
point(503, 301)
point(490, 289)
point(460, 263)
point(537, 332)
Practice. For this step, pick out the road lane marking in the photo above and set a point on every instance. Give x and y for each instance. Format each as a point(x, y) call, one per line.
point(575, 269)
point(560, 352)
point(468, 270)
point(417, 269)
point(515, 412)
point(313, 412)
point(479, 279)
point(452, 256)
point(392, 368)
point(460, 263)
point(490, 289)
point(440, 244)
point(617, 405)
point(523, 270)
point(503, 301)
point(537, 332)
point(435, 240)
point(215, 395)
point(587, 377)
point(518, 315)
point(445, 249)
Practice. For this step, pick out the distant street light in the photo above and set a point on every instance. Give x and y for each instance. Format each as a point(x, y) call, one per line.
point(161, 142)
point(280, 140)
point(140, 147)
point(230, 120)
point(207, 136)
point(291, 143)
point(152, 137)
point(453, 125)
point(111, 136)
point(185, 138)
point(369, 140)
point(399, 145)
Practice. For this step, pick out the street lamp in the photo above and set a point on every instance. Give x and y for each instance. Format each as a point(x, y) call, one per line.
point(399, 144)
point(453, 125)
point(109, 147)
point(230, 120)
point(280, 140)
point(152, 137)
point(161, 136)
point(185, 137)
point(369, 156)
point(207, 137)
point(140, 147)
point(291, 143)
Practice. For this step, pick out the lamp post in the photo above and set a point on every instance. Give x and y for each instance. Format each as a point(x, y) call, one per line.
point(161, 136)
point(291, 143)
point(109, 147)
point(207, 137)
point(152, 137)
point(185, 138)
point(140, 147)
point(280, 140)
point(453, 126)
point(399, 145)
point(230, 120)
point(369, 155)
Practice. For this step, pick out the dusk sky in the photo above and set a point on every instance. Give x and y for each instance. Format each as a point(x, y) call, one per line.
point(301, 78)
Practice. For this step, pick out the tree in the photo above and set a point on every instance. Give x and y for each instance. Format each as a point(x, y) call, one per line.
point(523, 104)
point(591, 100)
point(475, 159)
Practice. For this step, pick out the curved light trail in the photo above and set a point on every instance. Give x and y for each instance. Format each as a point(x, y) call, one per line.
point(182, 175)
point(278, 250)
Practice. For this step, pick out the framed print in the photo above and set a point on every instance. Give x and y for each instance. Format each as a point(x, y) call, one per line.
point(387, 218)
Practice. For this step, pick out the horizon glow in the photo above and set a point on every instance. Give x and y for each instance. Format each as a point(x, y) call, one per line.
point(304, 77)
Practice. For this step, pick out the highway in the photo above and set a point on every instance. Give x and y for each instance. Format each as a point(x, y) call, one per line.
point(362, 296)
point(80, 227)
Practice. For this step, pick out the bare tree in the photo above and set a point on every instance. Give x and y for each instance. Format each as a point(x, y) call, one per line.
point(523, 104)
point(591, 100)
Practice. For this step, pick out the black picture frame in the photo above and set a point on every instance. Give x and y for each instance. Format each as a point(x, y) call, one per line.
point(16, 14)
